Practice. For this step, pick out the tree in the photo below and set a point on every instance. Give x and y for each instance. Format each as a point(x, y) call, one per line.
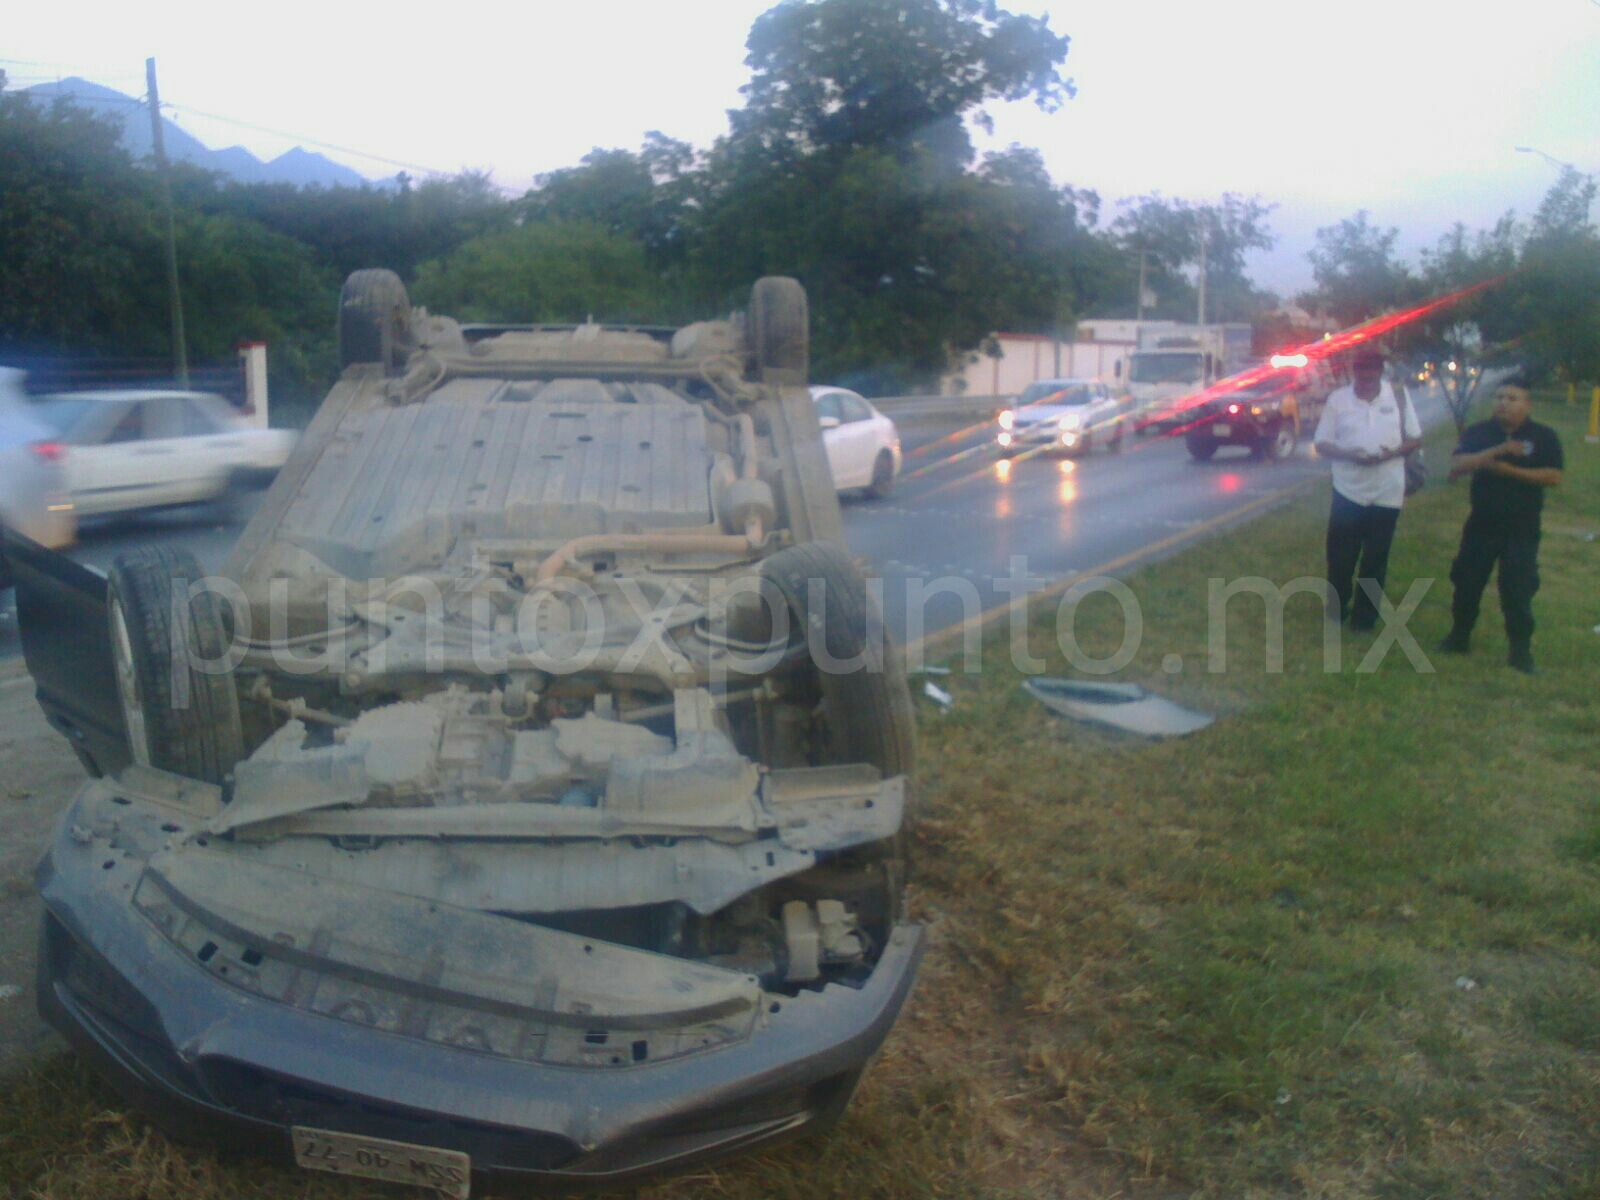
point(1558, 288)
point(1170, 232)
point(647, 197)
point(1472, 333)
point(1356, 272)
point(850, 168)
point(897, 76)
point(549, 271)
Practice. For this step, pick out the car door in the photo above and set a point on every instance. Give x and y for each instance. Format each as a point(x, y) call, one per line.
point(834, 436)
point(217, 444)
point(860, 439)
point(183, 468)
point(104, 471)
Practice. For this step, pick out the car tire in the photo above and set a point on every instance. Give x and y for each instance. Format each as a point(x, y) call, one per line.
point(777, 324)
point(865, 711)
point(178, 718)
point(1116, 437)
point(882, 476)
point(374, 320)
point(1200, 448)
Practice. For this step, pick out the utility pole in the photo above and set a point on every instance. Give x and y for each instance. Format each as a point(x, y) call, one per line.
point(1140, 302)
point(1205, 235)
point(180, 351)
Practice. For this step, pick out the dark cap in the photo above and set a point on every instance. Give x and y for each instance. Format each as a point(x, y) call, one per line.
point(1368, 356)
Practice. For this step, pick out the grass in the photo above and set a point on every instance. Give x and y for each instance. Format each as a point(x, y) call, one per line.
point(1340, 944)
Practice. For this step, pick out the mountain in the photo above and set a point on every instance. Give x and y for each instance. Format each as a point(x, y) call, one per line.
point(299, 167)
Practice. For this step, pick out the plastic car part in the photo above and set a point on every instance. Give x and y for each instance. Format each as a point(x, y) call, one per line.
point(180, 716)
point(1125, 706)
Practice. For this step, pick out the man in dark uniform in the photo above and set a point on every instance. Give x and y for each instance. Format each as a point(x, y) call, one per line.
point(1512, 459)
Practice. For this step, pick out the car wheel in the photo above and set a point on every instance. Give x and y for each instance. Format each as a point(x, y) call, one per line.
point(374, 320)
point(1201, 448)
point(777, 325)
point(882, 476)
point(179, 718)
point(1116, 436)
point(864, 714)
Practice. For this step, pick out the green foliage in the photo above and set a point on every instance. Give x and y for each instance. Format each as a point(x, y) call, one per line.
point(548, 271)
point(897, 77)
point(1171, 232)
point(1356, 271)
point(1559, 290)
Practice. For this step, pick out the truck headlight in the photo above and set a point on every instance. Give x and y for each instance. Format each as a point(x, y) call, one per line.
point(1007, 419)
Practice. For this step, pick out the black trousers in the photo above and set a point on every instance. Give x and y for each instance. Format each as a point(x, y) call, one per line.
point(1515, 546)
point(1358, 535)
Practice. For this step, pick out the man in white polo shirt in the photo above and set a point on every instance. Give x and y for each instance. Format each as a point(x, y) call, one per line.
point(1365, 432)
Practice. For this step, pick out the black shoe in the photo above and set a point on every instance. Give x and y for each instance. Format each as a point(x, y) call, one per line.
point(1454, 643)
point(1522, 660)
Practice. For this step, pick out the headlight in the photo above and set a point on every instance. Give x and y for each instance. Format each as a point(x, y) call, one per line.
point(1007, 419)
point(1004, 439)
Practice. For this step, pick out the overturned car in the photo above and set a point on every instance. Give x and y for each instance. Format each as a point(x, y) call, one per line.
point(524, 799)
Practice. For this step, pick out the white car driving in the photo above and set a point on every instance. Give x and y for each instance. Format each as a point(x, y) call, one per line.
point(1067, 415)
point(862, 444)
point(33, 491)
point(135, 450)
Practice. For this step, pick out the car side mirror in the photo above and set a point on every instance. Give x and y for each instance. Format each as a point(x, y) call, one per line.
point(828, 422)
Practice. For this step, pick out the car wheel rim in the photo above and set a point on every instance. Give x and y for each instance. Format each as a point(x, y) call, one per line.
point(1285, 443)
point(128, 691)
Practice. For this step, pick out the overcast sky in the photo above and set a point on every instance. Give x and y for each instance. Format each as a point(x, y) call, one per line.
point(1408, 108)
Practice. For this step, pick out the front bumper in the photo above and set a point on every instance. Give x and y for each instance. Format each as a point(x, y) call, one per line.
point(1023, 437)
point(1238, 429)
point(210, 1061)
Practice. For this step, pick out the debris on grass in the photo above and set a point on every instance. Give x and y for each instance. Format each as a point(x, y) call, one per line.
point(1130, 707)
point(938, 695)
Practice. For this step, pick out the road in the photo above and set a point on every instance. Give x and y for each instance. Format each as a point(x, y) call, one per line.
point(944, 542)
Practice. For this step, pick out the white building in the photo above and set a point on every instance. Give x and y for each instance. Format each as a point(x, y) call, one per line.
point(1098, 349)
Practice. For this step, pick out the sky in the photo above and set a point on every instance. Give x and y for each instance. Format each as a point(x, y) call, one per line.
point(1410, 109)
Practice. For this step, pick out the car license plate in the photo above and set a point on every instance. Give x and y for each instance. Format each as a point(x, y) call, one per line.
point(447, 1172)
point(1219, 430)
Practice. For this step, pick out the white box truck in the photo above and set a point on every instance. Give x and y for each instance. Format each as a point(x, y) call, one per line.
point(1177, 361)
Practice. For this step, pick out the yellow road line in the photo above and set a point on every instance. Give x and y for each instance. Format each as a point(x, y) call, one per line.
point(939, 639)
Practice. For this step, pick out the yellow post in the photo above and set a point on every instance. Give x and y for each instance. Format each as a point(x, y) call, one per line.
point(1594, 416)
point(1572, 391)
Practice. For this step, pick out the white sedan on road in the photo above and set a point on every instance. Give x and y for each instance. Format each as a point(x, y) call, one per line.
point(134, 450)
point(33, 488)
point(863, 445)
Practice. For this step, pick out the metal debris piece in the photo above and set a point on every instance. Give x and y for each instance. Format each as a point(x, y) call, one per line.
point(1466, 984)
point(937, 694)
point(9, 991)
point(929, 670)
point(1126, 706)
